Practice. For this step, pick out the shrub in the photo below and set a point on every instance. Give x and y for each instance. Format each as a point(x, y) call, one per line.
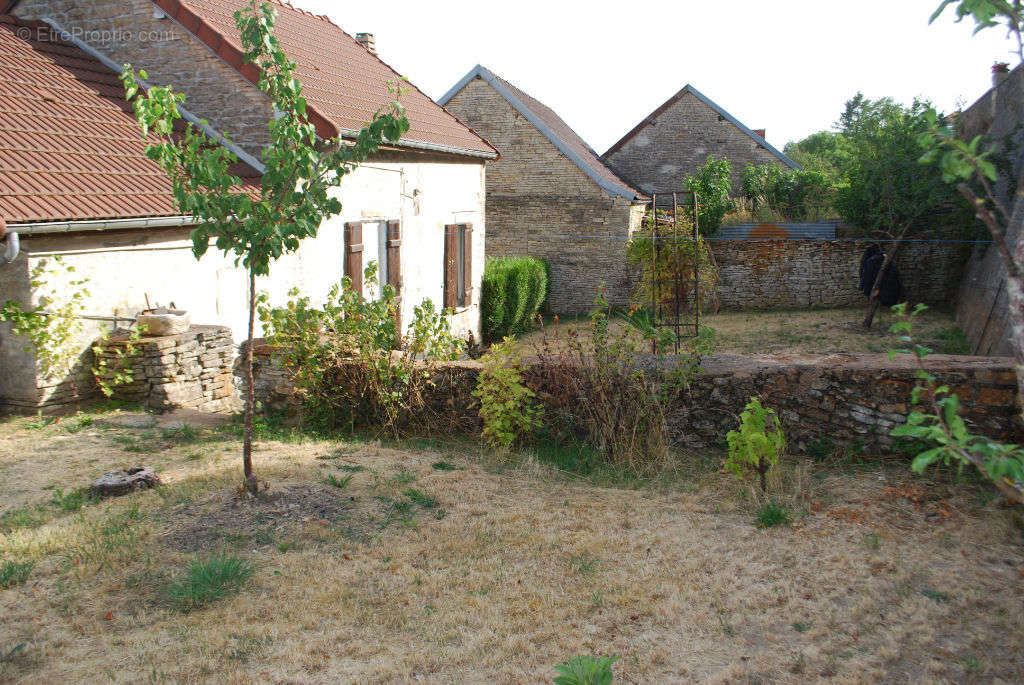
point(514, 288)
point(586, 670)
point(13, 573)
point(756, 446)
point(506, 405)
point(796, 195)
point(712, 184)
point(209, 580)
point(342, 357)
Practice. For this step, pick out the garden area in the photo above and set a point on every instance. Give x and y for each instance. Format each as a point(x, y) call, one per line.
point(441, 560)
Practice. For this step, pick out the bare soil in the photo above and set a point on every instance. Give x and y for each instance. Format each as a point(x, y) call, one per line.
point(495, 571)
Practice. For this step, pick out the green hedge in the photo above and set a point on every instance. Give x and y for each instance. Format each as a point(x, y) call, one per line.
point(514, 288)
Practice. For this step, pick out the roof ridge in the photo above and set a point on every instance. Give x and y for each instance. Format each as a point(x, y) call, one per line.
point(537, 121)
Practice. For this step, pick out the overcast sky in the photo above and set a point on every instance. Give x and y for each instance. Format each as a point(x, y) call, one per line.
point(784, 65)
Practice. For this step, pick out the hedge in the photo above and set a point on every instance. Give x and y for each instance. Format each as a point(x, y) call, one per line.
point(514, 288)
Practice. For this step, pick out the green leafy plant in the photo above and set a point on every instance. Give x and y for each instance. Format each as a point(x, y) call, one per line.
point(507, 406)
point(336, 482)
point(586, 670)
point(207, 580)
point(712, 183)
point(989, 14)
point(757, 445)
point(791, 194)
point(772, 514)
point(944, 428)
point(295, 194)
point(71, 501)
point(344, 357)
point(124, 352)
point(513, 291)
point(54, 325)
point(444, 466)
point(14, 573)
point(421, 498)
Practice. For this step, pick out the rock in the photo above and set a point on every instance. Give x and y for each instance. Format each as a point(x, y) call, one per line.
point(121, 482)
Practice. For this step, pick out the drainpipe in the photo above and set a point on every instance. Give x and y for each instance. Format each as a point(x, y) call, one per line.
point(10, 242)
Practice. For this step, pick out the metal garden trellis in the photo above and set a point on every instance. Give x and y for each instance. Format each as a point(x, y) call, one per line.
point(672, 318)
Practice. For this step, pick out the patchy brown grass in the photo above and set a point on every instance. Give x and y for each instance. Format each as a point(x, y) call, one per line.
point(882, 577)
point(823, 331)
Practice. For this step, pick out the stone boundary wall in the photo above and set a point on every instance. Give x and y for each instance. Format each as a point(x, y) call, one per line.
point(190, 370)
point(850, 399)
point(800, 274)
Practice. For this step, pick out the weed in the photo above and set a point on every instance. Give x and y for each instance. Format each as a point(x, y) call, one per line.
point(39, 423)
point(582, 564)
point(181, 435)
point(72, 501)
point(208, 580)
point(586, 670)
point(444, 466)
point(19, 519)
point(971, 663)
point(872, 541)
point(773, 514)
point(421, 498)
point(351, 469)
point(403, 477)
point(78, 423)
point(801, 626)
point(820, 448)
point(13, 573)
point(952, 341)
point(336, 482)
point(285, 546)
point(7, 655)
point(935, 595)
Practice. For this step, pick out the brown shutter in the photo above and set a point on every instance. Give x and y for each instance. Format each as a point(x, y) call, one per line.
point(354, 254)
point(451, 254)
point(394, 251)
point(467, 264)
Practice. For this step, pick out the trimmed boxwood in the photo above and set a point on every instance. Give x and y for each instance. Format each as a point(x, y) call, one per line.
point(514, 288)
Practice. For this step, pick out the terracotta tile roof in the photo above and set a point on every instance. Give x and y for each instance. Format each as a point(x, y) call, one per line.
point(554, 127)
point(69, 148)
point(344, 83)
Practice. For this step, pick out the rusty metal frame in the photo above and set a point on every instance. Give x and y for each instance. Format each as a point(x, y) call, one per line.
point(675, 321)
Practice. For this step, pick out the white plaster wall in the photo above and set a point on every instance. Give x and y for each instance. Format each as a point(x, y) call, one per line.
point(123, 268)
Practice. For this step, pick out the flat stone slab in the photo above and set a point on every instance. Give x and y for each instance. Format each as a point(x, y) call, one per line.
point(123, 481)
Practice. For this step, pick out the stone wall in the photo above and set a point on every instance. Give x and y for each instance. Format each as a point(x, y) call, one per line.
point(982, 310)
point(797, 274)
point(677, 141)
point(852, 400)
point(191, 370)
point(540, 204)
point(128, 31)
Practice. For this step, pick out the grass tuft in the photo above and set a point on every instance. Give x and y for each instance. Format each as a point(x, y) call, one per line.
point(208, 580)
point(444, 466)
point(13, 573)
point(336, 482)
point(421, 498)
point(773, 514)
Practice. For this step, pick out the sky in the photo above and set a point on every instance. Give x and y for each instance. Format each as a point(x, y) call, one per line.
point(784, 65)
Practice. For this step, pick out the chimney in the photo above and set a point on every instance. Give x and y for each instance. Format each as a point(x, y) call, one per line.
point(367, 41)
point(1000, 71)
point(759, 131)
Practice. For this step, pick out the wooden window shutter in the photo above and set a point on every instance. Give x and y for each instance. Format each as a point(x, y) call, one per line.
point(354, 254)
point(394, 248)
point(451, 268)
point(467, 264)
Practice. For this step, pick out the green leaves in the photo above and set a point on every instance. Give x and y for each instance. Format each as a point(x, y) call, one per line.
point(586, 670)
point(758, 443)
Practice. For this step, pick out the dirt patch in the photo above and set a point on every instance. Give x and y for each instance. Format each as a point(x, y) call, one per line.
point(224, 517)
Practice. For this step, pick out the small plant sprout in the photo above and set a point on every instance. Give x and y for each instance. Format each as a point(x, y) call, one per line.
point(772, 514)
point(757, 445)
point(586, 670)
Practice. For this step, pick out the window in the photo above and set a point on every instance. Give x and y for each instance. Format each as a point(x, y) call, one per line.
point(385, 248)
point(458, 265)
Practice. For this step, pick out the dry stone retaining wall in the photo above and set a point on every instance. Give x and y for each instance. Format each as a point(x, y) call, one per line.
point(848, 399)
point(191, 370)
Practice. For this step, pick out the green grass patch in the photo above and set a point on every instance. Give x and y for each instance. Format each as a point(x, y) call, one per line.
point(13, 573)
point(952, 341)
point(336, 482)
point(444, 466)
point(72, 501)
point(773, 514)
point(207, 580)
point(421, 498)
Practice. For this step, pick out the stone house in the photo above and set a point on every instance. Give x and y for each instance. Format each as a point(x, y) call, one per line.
point(550, 195)
point(74, 181)
point(673, 141)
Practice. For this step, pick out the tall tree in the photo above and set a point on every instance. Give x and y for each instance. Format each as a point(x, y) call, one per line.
point(888, 191)
point(294, 196)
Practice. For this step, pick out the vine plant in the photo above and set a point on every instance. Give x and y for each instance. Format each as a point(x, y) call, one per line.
point(945, 429)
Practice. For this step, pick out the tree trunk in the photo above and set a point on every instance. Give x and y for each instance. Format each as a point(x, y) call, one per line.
point(251, 481)
point(876, 287)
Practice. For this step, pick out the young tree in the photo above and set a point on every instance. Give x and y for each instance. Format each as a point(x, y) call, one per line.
point(712, 184)
point(294, 197)
point(888, 191)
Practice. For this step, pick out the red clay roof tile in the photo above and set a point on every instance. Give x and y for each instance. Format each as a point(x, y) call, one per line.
point(69, 147)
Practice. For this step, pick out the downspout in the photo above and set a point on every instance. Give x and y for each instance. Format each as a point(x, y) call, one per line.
point(11, 243)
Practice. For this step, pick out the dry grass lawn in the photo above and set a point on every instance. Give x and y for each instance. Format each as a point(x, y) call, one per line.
point(493, 572)
point(811, 331)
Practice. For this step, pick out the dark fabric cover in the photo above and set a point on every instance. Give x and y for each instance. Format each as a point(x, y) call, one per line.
point(891, 289)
